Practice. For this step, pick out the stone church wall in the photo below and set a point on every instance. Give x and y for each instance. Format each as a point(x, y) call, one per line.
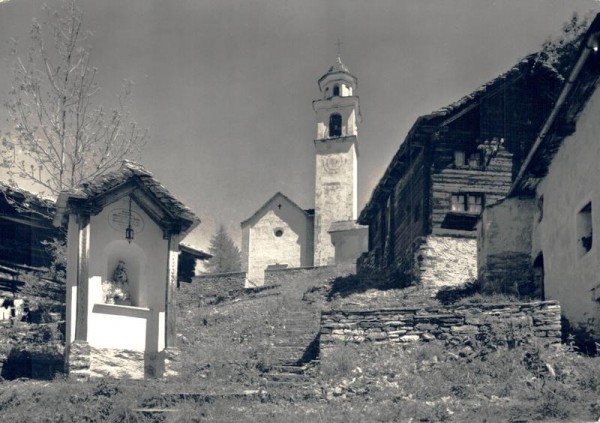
point(281, 236)
point(535, 323)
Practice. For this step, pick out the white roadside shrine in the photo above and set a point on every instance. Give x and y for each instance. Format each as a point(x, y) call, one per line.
point(124, 230)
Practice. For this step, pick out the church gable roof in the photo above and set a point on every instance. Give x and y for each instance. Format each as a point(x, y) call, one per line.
point(281, 197)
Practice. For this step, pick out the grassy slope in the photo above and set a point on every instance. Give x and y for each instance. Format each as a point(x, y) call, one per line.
point(223, 346)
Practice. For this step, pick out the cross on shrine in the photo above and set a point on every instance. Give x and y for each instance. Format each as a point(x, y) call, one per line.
point(279, 206)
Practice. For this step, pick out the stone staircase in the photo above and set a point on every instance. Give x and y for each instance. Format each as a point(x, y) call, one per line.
point(295, 346)
point(295, 342)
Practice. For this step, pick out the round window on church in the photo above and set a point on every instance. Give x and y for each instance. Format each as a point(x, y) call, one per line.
point(278, 232)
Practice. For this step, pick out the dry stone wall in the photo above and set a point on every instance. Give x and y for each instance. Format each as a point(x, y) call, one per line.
point(503, 324)
point(504, 247)
point(116, 363)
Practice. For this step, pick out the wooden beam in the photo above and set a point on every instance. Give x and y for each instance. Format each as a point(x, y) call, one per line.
point(81, 326)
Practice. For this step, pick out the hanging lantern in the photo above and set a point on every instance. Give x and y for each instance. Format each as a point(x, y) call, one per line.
point(129, 230)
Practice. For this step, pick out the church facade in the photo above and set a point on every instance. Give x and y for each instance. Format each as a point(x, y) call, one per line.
point(283, 235)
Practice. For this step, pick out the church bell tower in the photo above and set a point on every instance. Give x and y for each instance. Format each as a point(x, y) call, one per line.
point(338, 116)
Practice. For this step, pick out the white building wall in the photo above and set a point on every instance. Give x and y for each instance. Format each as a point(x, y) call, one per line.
point(146, 258)
point(571, 183)
point(264, 248)
point(335, 193)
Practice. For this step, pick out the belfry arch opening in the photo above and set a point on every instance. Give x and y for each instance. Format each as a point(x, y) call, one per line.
point(335, 125)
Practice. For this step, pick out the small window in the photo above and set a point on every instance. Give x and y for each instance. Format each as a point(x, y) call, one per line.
point(474, 161)
point(458, 202)
point(459, 158)
point(474, 203)
point(278, 232)
point(336, 90)
point(540, 207)
point(584, 230)
point(335, 125)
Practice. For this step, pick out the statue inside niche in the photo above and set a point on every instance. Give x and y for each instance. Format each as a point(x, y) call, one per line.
point(117, 290)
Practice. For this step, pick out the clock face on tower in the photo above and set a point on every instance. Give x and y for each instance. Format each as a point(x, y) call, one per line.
point(333, 164)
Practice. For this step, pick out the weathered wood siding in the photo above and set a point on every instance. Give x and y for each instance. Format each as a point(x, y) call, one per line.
point(409, 208)
point(493, 182)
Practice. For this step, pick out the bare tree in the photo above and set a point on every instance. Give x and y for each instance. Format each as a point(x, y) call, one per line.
point(61, 136)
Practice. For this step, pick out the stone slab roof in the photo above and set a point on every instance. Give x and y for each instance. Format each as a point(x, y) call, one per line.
point(530, 64)
point(196, 252)
point(562, 120)
point(130, 170)
point(28, 200)
point(426, 124)
point(131, 173)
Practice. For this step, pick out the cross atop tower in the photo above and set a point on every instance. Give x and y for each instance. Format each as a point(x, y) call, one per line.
point(339, 47)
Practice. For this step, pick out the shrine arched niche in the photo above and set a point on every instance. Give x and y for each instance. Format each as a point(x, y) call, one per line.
point(125, 260)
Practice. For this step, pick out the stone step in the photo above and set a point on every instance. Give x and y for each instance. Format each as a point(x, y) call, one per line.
point(287, 358)
point(297, 332)
point(284, 360)
point(292, 347)
point(299, 324)
point(297, 327)
point(294, 333)
point(155, 413)
point(286, 377)
point(289, 368)
point(292, 342)
point(304, 323)
point(278, 385)
point(295, 324)
point(299, 310)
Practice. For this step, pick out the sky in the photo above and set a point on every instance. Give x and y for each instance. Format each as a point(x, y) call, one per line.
point(225, 87)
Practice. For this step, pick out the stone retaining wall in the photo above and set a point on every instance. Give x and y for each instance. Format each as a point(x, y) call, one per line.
point(293, 276)
point(536, 322)
point(215, 285)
